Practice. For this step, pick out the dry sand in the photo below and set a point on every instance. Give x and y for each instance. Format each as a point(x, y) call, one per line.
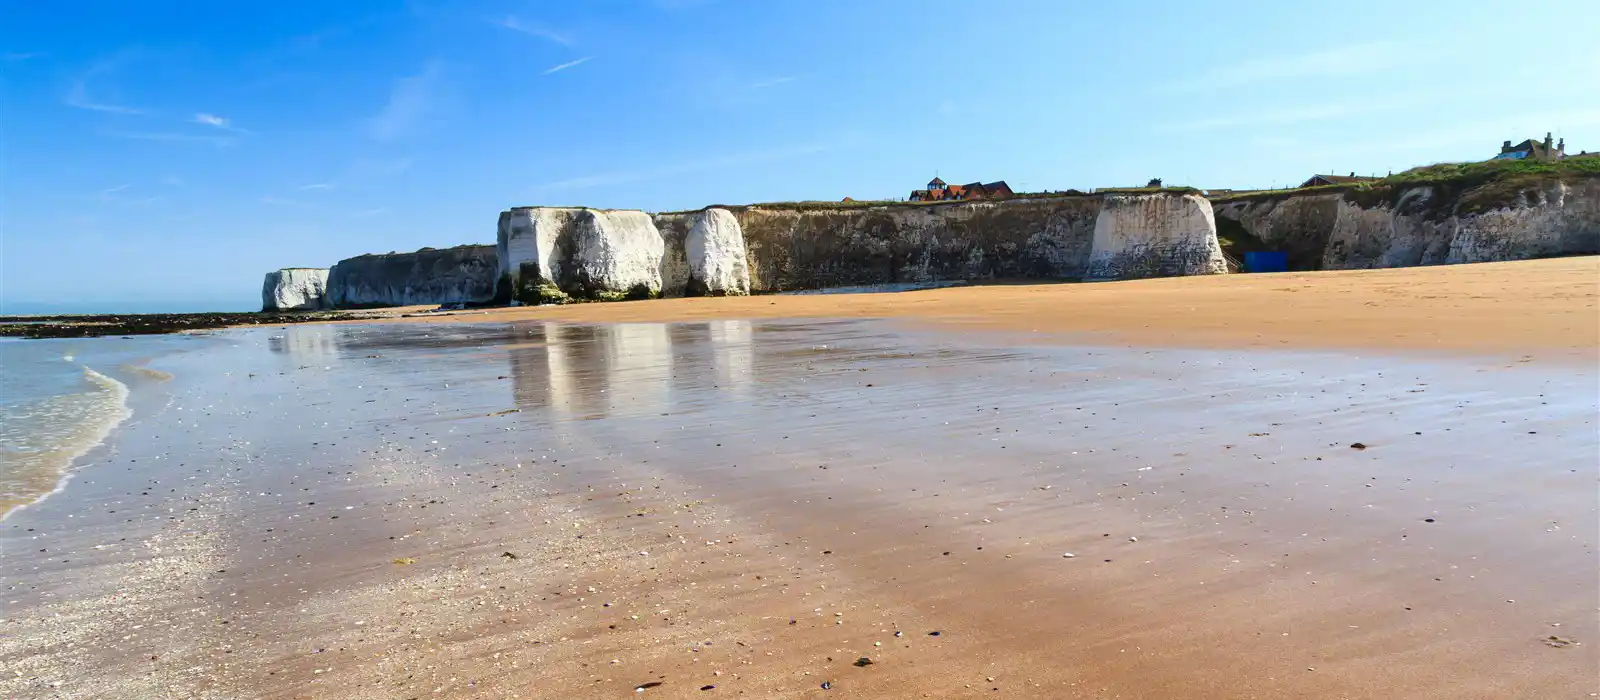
point(1515, 307)
point(735, 508)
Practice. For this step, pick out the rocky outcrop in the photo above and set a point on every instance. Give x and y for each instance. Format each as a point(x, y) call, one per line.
point(704, 254)
point(1423, 225)
point(460, 275)
point(817, 247)
point(1155, 235)
point(551, 253)
point(1066, 237)
point(295, 289)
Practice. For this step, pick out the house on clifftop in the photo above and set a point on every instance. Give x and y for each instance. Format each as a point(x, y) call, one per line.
point(1533, 150)
point(938, 191)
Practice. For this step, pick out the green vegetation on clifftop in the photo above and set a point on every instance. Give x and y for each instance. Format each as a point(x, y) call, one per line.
point(1459, 188)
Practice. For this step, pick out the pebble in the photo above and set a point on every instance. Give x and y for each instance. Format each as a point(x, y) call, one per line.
point(1067, 555)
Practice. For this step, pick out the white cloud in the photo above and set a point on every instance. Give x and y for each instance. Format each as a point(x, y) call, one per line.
point(411, 102)
point(564, 66)
point(317, 186)
point(517, 25)
point(114, 190)
point(210, 120)
point(19, 56)
point(1343, 61)
point(1289, 115)
point(770, 83)
point(78, 95)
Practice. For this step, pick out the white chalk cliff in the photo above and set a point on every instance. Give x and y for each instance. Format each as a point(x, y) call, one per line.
point(1154, 235)
point(718, 264)
point(547, 253)
point(294, 289)
point(1422, 226)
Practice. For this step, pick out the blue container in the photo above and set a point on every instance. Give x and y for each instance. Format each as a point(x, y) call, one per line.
point(1266, 261)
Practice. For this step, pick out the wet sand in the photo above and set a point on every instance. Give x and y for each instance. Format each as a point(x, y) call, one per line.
point(538, 510)
point(1551, 307)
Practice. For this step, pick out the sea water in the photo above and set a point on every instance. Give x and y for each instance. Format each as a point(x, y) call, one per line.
point(59, 399)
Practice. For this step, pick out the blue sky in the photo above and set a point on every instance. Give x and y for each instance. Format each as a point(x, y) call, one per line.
point(170, 153)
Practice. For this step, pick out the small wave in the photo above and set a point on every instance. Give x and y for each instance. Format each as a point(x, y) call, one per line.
point(48, 436)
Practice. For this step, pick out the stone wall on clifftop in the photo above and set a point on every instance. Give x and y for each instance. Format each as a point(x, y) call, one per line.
point(294, 289)
point(460, 275)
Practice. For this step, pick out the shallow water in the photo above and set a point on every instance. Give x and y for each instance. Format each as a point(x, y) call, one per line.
point(59, 399)
point(1212, 499)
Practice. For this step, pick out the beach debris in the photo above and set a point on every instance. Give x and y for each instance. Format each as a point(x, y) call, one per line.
point(827, 685)
point(863, 662)
point(1555, 642)
point(1428, 520)
point(403, 561)
point(1358, 446)
point(1067, 555)
point(646, 686)
point(708, 687)
point(935, 633)
point(507, 555)
point(503, 413)
point(1133, 539)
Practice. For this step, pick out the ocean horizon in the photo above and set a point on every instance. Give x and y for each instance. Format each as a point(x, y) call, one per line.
point(192, 306)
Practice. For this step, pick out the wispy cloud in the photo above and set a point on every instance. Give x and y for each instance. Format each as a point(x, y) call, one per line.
point(411, 102)
point(517, 25)
point(316, 186)
point(564, 66)
point(123, 194)
point(19, 56)
point(1342, 61)
point(770, 83)
point(78, 95)
point(690, 166)
point(1289, 115)
point(171, 137)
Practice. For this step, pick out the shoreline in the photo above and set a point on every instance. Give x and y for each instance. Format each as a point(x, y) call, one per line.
point(755, 505)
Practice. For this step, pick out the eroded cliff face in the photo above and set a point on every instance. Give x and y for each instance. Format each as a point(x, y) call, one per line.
point(814, 248)
point(1041, 238)
point(1423, 226)
point(1156, 235)
point(463, 274)
point(550, 253)
point(295, 289)
point(704, 254)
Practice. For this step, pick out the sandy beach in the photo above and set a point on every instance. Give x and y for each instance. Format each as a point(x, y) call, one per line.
point(1333, 485)
point(1543, 305)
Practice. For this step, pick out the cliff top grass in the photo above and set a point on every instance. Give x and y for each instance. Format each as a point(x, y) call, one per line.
point(1472, 187)
point(818, 205)
point(424, 249)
